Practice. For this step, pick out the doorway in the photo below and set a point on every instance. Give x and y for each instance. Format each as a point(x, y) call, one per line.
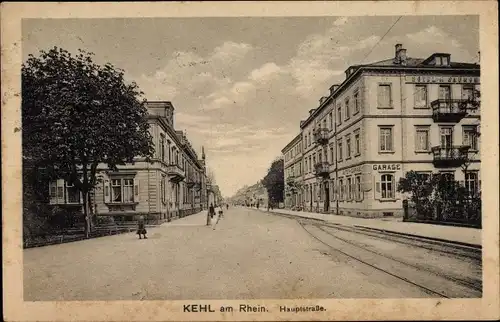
point(327, 197)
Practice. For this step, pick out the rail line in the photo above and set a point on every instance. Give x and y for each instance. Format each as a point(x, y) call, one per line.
point(406, 267)
point(428, 290)
point(429, 244)
point(456, 280)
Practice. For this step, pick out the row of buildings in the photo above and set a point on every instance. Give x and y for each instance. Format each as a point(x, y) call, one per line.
point(385, 119)
point(172, 184)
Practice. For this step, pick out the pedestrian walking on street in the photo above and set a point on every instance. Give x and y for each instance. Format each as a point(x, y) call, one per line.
point(210, 214)
point(141, 229)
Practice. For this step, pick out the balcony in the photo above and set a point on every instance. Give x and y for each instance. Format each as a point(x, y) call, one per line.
point(449, 157)
point(449, 111)
point(322, 169)
point(321, 136)
point(175, 173)
point(290, 180)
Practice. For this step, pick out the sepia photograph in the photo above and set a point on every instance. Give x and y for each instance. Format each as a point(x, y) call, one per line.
point(249, 160)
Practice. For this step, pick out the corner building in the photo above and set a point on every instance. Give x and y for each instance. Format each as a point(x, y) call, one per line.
point(383, 120)
point(172, 185)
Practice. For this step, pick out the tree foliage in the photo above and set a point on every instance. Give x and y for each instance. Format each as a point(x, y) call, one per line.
point(436, 197)
point(77, 114)
point(274, 181)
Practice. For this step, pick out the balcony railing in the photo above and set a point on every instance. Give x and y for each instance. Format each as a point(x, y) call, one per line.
point(444, 157)
point(290, 180)
point(449, 110)
point(321, 135)
point(175, 173)
point(322, 169)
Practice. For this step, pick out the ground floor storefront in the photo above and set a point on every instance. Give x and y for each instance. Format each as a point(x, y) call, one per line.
point(370, 189)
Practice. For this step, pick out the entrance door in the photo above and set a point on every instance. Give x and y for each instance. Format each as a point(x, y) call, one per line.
point(446, 141)
point(327, 197)
point(311, 197)
point(445, 96)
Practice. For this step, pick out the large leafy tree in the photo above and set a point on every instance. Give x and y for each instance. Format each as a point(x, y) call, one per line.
point(274, 181)
point(76, 115)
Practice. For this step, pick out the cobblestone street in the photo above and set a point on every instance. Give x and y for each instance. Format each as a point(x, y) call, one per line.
point(250, 254)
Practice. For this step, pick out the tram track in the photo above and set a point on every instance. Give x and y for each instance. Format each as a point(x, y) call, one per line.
point(433, 281)
point(474, 286)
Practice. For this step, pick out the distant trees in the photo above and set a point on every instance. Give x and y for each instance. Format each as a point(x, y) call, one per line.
point(274, 181)
point(77, 114)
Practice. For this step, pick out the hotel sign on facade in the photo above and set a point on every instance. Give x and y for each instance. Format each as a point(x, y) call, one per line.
point(442, 79)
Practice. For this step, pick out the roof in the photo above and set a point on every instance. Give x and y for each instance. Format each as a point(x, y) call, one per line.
point(411, 63)
point(291, 143)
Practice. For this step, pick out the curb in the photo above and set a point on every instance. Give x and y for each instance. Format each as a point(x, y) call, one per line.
point(422, 237)
point(389, 231)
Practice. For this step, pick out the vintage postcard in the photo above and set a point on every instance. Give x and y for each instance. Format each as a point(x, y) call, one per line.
point(244, 161)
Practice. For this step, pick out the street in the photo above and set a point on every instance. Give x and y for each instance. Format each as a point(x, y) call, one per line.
point(250, 254)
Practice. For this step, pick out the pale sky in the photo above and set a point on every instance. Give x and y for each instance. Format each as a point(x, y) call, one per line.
point(240, 86)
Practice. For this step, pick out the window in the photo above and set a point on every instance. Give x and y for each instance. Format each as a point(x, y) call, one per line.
point(162, 148)
point(422, 139)
point(348, 146)
point(341, 185)
point(420, 96)
point(357, 144)
point(471, 183)
point(384, 96)
point(163, 190)
point(122, 190)
point(445, 61)
point(332, 156)
point(356, 103)
point(446, 137)
point(72, 193)
point(387, 185)
point(467, 92)
point(339, 114)
point(339, 151)
point(358, 187)
point(424, 176)
point(331, 121)
point(444, 92)
point(386, 139)
point(53, 189)
point(470, 137)
point(349, 188)
point(438, 61)
point(347, 109)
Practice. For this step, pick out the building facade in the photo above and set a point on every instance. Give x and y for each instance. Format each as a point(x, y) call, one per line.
point(172, 184)
point(292, 158)
point(383, 120)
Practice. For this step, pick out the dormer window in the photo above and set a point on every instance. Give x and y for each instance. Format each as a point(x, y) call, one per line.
point(438, 59)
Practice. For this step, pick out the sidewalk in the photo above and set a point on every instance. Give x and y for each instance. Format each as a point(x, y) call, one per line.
point(463, 235)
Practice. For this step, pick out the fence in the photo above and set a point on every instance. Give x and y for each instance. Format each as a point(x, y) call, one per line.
point(466, 213)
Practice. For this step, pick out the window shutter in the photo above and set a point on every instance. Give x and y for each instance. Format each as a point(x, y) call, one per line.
point(107, 191)
point(377, 192)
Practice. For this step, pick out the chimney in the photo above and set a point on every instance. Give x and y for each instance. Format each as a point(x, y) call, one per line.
point(400, 55)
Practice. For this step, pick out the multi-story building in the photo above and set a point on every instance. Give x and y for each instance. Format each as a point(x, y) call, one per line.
point(292, 158)
point(172, 184)
point(383, 120)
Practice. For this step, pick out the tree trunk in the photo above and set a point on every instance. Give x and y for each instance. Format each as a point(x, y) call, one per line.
point(86, 213)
